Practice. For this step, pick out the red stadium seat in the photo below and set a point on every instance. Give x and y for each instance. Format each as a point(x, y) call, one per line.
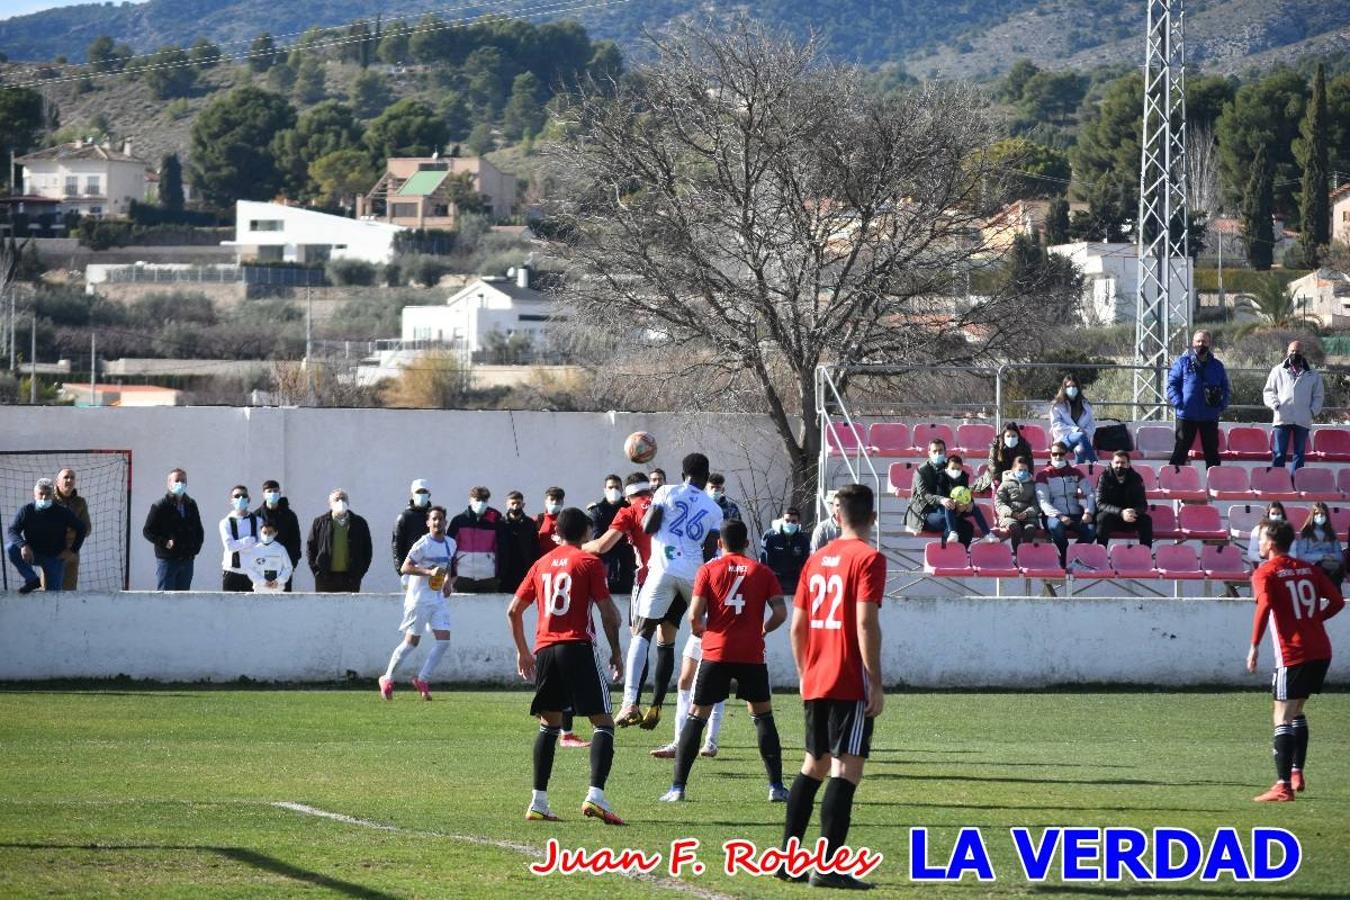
point(900, 478)
point(1343, 480)
point(1340, 520)
point(1164, 523)
point(987, 510)
point(950, 561)
point(1038, 439)
point(1248, 442)
point(1242, 518)
point(974, 438)
point(843, 439)
point(1223, 561)
point(1092, 473)
point(1155, 441)
point(1177, 561)
point(1037, 560)
point(1148, 476)
point(889, 439)
point(922, 434)
point(1197, 452)
point(1132, 561)
point(1228, 483)
point(1330, 445)
point(1088, 561)
point(1201, 523)
point(1180, 483)
point(1316, 484)
point(993, 561)
point(1269, 483)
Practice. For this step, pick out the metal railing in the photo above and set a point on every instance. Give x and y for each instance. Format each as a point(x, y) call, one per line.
point(281, 276)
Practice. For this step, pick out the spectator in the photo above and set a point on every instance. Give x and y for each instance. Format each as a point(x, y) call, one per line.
point(517, 543)
point(1294, 391)
point(1072, 421)
point(268, 562)
point(1121, 502)
point(1006, 447)
point(717, 489)
point(1064, 503)
point(620, 564)
point(927, 505)
point(1018, 513)
point(67, 496)
point(174, 526)
point(784, 549)
point(276, 510)
point(656, 478)
point(238, 532)
point(956, 517)
point(827, 529)
point(546, 523)
point(1274, 513)
point(1197, 388)
point(339, 549)
point(411, 524)
point(475, 531)
point(1317, 543)
point(37, 536)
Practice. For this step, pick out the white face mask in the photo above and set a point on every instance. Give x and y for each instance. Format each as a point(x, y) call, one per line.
point(1009, 441)
point(339, 507)
point(477, 506)
point(1275, 517)
point(613, 495)
point(1059, 463)
point(178, 488)
point(420, 499)
point(267, 538)
point(1071, 392)
point(954, 471)
point(44, 503)
point(552, 507)
point(1319, 520)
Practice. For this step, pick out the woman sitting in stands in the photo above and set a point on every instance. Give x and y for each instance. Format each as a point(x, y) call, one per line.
point(1006, 448)
point(1071, 420)
point(1274, 513)
point(951, 478)
point(1317, 543)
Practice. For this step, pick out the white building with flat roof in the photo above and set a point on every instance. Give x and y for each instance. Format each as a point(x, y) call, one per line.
point(1111, 279)
point(272, 232)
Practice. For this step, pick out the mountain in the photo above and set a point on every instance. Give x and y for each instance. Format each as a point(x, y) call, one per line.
point(933, 38)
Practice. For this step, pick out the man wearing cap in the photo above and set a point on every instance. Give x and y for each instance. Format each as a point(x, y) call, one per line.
point(411, 523)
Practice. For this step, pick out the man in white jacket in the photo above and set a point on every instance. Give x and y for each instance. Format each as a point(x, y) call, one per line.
point(1295, 393)
point(268, 563)
point(238, 532)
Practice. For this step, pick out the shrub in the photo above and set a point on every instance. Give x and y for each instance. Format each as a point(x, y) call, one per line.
point(423, 269)
point(351, 273)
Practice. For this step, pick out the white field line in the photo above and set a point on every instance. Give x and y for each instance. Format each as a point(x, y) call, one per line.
point(673, 884)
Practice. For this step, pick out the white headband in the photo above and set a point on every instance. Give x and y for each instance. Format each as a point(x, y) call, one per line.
point(636, 487)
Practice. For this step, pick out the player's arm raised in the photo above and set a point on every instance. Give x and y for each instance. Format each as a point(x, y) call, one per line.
point(869, 643)
point(515, 614)
point(777, 614)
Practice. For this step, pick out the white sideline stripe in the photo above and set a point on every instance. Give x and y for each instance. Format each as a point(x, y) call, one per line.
point(668, 883)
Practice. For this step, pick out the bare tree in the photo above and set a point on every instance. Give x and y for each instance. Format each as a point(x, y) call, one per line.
point(740, 212)
point(1202, 172)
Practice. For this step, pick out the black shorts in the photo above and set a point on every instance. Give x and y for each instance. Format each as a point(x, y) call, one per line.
point(1299, 682)
point(712, 684)
point(837, 728)
point(568, 676)
point(678, 607)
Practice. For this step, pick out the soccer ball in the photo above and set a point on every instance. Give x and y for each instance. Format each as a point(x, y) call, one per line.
point(961, 495)
point(640, 447)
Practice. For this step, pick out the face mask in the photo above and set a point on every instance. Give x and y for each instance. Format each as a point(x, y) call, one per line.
point(515, 513)
point(937, 459)
point(1071, 392)
point(1320, 520)
point(267, 538)
point(954, 471)
point(421, 499)
point(178, 488)
point(271, 498)
point(477, 506)
point(1120, 471)
point(791, 527)
point(716, 493)
point(43, 504)
point(1010, 441)
point(239, 503)
point(1202, 350)
point(339, 507)
point(551, 507)
point(1059, 463)
point(613, 495)
point(1023, 475)
point(1275, 517)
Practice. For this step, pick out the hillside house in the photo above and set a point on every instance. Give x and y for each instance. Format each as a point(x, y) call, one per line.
point(1111, 279)
point(1324, 295)
point(427, 192)
point(273, 232)
point(508, 306)
point(1340, 214)
point(86, 178)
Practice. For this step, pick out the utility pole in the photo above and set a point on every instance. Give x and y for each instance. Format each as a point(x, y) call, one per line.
point(13, 322)
point(309, 343)
point(1223, 306)
point(93, 369)
point(32, 360)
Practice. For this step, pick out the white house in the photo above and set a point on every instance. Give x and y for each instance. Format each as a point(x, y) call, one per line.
point(86, 178)
point(271, 232)
point(1111, 273)
point(505, 305)
point(1324, 294)
point(1340, 214)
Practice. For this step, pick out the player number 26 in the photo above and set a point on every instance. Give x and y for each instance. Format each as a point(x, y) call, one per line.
point(684, 525)
point(558, 591)
point(820, 587)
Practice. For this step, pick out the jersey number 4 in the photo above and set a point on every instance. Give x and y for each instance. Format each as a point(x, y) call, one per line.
point(558, 592)
point(821, 587)
point(1303, 597)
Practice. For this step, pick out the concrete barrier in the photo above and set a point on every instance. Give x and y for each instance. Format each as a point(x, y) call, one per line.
point(928, 643)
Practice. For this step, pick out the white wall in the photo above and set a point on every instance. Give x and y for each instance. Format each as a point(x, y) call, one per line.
point(372, 242)
point(374, 454)
point(975, 642)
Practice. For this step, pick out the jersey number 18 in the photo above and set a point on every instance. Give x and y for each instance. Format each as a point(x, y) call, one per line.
point(558, 592)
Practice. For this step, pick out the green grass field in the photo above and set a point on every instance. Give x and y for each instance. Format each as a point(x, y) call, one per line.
point(123, 791)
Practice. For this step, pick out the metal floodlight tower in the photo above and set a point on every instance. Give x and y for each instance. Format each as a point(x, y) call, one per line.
point(1163, 307)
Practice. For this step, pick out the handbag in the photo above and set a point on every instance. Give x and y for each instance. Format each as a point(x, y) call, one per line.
point(1113, 437)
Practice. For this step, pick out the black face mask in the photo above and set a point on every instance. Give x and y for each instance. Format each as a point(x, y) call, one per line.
point(1297, 360)
point(1202, 352)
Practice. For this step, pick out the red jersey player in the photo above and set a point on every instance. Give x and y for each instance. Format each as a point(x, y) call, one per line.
point(1293, 599)
point(836, 643)
point(563, 585)
point(734, 592)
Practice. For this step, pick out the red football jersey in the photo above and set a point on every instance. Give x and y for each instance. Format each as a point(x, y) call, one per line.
point(562, 586)
point(837, 577)
point(628, 522)
point(1289, 594)
point(737, 590)
point(547, 526)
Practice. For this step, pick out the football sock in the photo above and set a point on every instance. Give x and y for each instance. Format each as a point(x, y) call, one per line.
point(567, 721)
point(602, 757)
point(637, 657)
point(539, 800)
point(595, 794)
point(1284, 752)
point(715, 721)
point(433, 659)
point(801, 799)
point(682, 703)
point(686, 749)
point(544, 744)
point(665, 668)
point(402, 650)
point(836, 814)
point(770, 750)
point(1300, 726)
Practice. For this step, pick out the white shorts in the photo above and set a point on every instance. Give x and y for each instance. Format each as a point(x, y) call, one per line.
point(693, 648)
point(659, 591)
point(425, 617)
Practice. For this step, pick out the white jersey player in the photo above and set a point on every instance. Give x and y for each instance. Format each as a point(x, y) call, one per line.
point(429, 564)
point(684, 523)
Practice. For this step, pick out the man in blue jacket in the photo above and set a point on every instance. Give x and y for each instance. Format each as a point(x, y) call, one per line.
point(37, 536)
point(1197, 388)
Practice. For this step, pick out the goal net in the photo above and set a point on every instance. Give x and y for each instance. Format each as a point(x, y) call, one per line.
point(103, 479)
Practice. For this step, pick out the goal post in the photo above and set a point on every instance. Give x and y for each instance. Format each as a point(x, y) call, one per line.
point(103, 479)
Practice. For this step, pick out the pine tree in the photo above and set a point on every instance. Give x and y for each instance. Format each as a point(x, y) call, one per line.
point(1316, 204)
point(262, 53)
point(171, 182)
point(1257, 209)
point(1057, 222)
